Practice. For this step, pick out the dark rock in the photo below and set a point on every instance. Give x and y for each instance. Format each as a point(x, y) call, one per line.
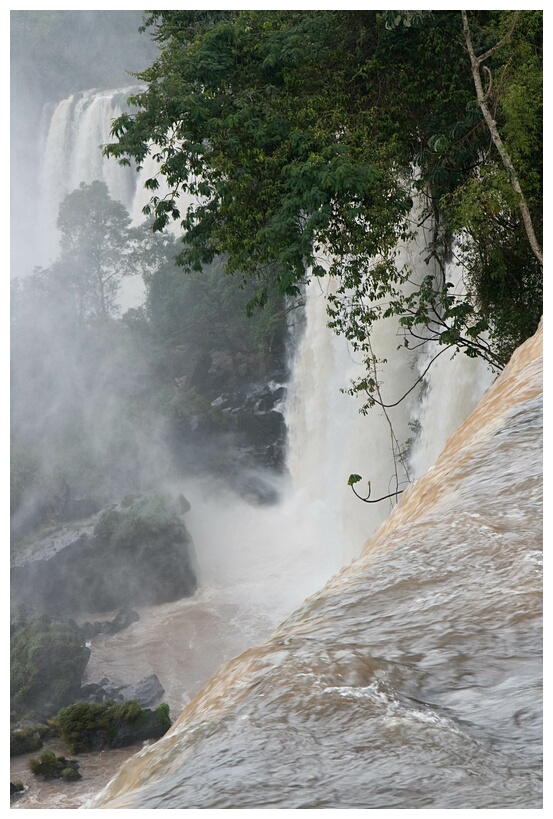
point(141, 554)
point(111, 691)
point(188, 365)
point(146, 692)
point(16, 789)
point(24, 740)
point(184, 504)
point(124, 618)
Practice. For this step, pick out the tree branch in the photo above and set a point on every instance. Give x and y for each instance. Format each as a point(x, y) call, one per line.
point(492, 126)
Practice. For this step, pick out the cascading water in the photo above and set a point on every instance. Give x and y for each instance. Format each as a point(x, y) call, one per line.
point(258, 564)
point(329, 438)
point(71, 154)
point(413, 679)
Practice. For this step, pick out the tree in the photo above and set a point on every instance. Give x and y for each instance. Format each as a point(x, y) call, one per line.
point(482, 97)
point(76, 368)
point(301, 135)
point(96, 249)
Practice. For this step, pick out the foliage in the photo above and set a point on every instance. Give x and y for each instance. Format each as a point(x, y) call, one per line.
point(355, 479)
point(96, 250)
point(50, 766)
point(25, 739)
point(207, 310)
point(302, 139)
point(47, 661)
point(148, 519)
point(90, 390)
point(88, 726)
point(162, 713)
point(77, 370)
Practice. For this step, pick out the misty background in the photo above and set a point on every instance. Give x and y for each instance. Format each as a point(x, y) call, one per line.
point(52, 55)
point(108, 400)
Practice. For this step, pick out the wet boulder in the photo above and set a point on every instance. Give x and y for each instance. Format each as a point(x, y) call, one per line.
point(141, 554)
point(147, 691)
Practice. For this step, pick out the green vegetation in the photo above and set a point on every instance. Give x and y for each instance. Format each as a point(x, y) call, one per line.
point(27, 738)
point(93, 726)
point(23, 740)
point(149, 518)
point(162, 713)
point(81, 724)
point(47, 661)
point(96, 252)
point(89, 388)
point(50, 766)
point(209, 311)
point(355, 479)
point(311, 134)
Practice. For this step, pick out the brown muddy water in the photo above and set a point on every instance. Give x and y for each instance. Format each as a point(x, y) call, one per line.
point(412, 680)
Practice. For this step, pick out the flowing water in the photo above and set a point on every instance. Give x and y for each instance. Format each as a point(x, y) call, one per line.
point(411, 679)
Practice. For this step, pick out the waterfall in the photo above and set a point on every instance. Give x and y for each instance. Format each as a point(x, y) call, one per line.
point(328, 437)
point(423, 655)
point(71, 153)
point(401, 648)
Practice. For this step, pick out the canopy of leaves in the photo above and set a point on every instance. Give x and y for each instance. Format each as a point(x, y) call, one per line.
point(96, 249)
point(304, 135)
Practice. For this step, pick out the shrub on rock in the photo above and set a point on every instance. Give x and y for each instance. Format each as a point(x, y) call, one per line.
point(90, 726)
point(24, 740)
point(50, 766)
point(48, 658)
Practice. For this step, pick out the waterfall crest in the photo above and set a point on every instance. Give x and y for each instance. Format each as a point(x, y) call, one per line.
point(424, 653)
point(75, 131)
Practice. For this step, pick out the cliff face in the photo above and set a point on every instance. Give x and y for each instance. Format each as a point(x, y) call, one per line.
point(412, 680)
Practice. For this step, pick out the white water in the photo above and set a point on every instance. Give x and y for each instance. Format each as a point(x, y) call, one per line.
point(328, 438)
point(78, 128)
point(258, 564)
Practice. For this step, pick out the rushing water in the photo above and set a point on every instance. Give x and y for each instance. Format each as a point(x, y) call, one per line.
point(413, 679)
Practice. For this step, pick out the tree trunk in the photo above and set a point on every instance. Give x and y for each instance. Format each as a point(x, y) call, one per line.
point(498, 142)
